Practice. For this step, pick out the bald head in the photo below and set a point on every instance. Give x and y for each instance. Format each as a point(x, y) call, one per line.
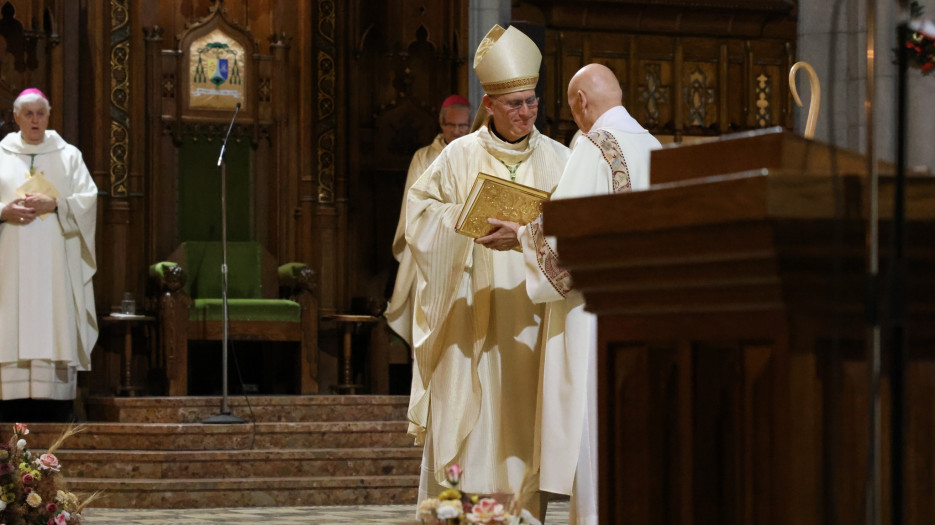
point(592, 91)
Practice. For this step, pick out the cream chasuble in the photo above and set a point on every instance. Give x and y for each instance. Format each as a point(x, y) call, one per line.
point(602, 161)
point(399, 311)
point(476, 335)
point(47, 314)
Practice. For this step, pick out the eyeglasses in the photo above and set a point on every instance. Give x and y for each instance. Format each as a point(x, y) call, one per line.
point(459, 127)
point(516, 105)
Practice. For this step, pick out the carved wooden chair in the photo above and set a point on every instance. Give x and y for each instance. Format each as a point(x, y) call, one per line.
point(265, 303)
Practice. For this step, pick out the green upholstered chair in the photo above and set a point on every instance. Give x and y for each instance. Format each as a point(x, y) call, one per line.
point(265, 303)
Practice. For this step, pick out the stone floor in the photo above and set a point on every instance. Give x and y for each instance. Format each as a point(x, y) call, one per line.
point(344, 515)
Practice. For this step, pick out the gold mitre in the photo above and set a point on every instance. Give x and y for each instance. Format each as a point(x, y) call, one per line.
point(507, 61)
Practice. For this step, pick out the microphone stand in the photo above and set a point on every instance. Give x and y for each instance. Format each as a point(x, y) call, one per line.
point(898, 296)
point(225, 417)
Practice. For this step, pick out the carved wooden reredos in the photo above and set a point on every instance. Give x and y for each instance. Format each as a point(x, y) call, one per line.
point(190, 107)
point(336, 97)
point(285, 136)
point(687, 67)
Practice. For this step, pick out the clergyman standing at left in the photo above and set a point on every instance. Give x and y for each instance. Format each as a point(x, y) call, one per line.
point(48, 214)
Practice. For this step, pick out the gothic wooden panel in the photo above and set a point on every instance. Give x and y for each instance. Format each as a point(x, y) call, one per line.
point(690, 68)
point(700, 85)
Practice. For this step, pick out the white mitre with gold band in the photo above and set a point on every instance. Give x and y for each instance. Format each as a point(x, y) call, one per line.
point(507, 61)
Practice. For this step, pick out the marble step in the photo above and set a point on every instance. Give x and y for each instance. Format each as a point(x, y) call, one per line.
point(197, 464)
point(246, 436)
point(265, 409)
point(249, 492)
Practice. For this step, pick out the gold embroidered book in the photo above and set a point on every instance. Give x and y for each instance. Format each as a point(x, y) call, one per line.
point(501, 199)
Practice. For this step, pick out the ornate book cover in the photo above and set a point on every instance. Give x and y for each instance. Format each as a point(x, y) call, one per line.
point(501, 199)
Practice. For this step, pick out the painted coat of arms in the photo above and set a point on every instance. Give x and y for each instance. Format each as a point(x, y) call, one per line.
point(217, 72)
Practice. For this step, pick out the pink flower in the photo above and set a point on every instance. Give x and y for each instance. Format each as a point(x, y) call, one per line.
point(61, 519)
point(49, 462)
point(51, 508)
point(20, 429)
point(28, 479)
point(453, 474)
point(487, 512)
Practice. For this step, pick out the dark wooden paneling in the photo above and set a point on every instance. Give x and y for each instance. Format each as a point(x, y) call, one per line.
point(406, 58)
point(733, 355)
point(687, 68)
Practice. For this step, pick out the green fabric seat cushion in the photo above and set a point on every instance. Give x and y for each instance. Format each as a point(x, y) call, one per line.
point(247, 310)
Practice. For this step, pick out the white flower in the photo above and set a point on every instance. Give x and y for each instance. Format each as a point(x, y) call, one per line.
point(448, 510)
point(427, 508)
point(21, 444)
point(34, 499)
point(2, 505)
point(926, 27)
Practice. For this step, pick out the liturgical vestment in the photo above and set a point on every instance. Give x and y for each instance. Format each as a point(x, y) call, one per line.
point(47, 317)
point(476, 334)
point(613, 157)
point(399, 311)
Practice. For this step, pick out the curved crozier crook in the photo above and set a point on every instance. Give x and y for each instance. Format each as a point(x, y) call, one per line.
point(815, 101)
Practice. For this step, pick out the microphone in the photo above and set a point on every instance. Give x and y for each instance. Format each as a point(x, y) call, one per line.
point(229, 128)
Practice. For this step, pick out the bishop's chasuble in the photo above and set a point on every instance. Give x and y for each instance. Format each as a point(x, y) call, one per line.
point(476, 334)
point(609, 159)
point(47, 317)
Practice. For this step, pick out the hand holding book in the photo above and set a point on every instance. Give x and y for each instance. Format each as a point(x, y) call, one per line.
point(505, 236)
point(38, 184)
point(501, 199)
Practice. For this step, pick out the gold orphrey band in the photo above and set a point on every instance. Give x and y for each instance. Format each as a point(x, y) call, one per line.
point(495, 88)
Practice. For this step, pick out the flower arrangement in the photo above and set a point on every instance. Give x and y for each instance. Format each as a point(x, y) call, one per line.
point(453, 507)
point(32, 488)
point(920, 42)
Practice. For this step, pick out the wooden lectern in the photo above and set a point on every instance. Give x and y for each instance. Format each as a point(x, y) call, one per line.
point(733, 355)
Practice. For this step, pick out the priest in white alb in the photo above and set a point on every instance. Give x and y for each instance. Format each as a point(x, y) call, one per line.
point(476, 334)
point(610, 156)
point(48, 213)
